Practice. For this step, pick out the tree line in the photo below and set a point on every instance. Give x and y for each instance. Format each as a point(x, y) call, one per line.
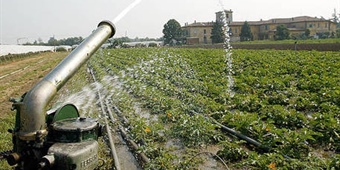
point(54, 42)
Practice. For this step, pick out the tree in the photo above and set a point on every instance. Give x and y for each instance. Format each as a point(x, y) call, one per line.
point(71, 41)
point(217, 34)
point(246, 34)
point(307, 32)
point(116, 42)
point(282, 32)
point(172, 32)
point(52, 41)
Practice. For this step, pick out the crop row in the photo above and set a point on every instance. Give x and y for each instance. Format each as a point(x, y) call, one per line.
point(287, 100)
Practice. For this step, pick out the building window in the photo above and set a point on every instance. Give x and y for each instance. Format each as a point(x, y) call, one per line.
point(236, 30)
point(310, 25)
point(227, 15)
point(318, 25)
point(326, 25)
point(205, 31)
point(266, 27)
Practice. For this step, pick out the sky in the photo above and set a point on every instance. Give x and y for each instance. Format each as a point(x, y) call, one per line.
point(26, 21)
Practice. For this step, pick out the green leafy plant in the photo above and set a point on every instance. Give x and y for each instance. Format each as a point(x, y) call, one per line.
point(194, 130)
point(283, 99)
point(232, 152)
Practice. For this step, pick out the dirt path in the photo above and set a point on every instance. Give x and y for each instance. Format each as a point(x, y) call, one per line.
point(19, 76)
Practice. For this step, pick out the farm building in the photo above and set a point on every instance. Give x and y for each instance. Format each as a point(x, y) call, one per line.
point(200, 32)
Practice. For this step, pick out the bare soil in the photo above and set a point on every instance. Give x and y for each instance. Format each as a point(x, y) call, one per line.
point(19, 76)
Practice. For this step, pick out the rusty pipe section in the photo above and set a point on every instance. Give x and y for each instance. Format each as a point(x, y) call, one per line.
point(34, 106)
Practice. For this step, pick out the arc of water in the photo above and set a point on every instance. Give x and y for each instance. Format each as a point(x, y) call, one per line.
point(125, 11)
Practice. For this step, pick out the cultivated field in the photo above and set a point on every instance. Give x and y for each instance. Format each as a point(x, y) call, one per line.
point(288, 101)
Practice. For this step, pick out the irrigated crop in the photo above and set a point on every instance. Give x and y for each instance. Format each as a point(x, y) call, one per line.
point(287, 100)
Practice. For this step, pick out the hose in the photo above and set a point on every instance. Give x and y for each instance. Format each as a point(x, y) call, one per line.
point(244, 137)
point(111, 143)
point(237, 134)
point(134, 146)
point(241, 136)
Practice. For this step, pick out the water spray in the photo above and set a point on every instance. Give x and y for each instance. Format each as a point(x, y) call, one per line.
point(227, 48)
point(125, 11)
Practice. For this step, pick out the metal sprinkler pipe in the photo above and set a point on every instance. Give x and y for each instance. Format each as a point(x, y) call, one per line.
point(32, 110)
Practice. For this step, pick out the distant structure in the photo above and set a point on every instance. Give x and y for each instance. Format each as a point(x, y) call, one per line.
point(200, 32)
point(228, 16)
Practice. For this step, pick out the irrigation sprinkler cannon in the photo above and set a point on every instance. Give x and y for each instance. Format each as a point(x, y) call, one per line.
point(59, 138)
